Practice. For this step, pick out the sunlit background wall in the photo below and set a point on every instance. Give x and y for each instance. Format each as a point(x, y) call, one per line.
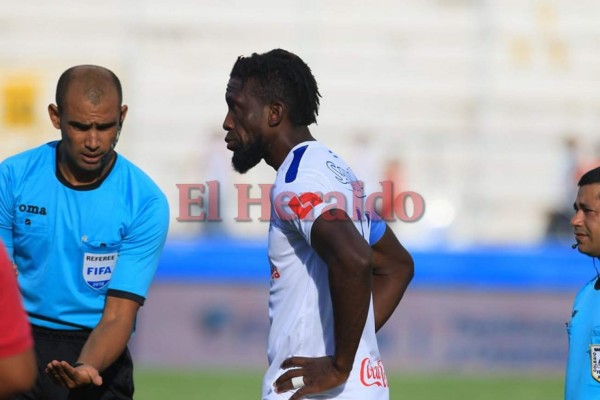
point(489, 109)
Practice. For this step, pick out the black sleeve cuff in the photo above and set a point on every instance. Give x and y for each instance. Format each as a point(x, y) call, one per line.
point(126, 295)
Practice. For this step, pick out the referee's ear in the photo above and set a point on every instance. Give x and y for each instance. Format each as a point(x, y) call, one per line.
point(54, 115)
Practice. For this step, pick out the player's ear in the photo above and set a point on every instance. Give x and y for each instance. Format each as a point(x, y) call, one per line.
point(122, 116)
point(276, 112)
point(54, 115)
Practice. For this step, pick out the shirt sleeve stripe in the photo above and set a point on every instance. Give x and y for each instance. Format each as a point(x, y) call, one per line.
point(126, 295)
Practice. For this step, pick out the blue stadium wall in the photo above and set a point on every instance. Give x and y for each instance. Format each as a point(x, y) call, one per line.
point(545, 267)
point(492, 309)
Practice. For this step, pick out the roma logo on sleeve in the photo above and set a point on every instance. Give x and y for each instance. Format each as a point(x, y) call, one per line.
point(303, 204)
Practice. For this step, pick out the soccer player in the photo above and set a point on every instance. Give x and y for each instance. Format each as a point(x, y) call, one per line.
point(337, 272)
point(583, 364)
point(85, 228)
point(17, 361)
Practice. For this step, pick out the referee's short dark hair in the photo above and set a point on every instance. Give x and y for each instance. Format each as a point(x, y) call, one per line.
point(281, 76)
point(67, 77)
point(590, 177)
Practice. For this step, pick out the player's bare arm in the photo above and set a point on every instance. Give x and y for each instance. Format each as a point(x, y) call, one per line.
point(104, 345)
point(348, 257)
point(393, 269)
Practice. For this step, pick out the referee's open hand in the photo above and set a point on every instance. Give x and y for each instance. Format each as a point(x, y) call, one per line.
point(64, 374)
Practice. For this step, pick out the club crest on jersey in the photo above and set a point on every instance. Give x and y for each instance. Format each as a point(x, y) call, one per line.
point(343, 176)
point(595, 361)
point(303, 204)
point(347, 177)
point(98, 269)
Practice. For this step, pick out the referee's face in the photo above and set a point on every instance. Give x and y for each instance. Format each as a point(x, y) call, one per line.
point(90, 126)
point(586, 221)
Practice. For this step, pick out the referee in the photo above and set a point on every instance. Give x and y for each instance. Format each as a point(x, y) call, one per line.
point(583, 365)
point(85, 228)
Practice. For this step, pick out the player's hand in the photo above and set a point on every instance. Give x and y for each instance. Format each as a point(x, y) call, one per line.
point(63, 374)
point(319, 374)
point(15, 269)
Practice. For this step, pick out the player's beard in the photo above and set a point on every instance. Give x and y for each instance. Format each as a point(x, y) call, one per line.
point(247, 157)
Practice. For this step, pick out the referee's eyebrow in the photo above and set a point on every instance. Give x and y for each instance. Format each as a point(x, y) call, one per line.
point(85, 127)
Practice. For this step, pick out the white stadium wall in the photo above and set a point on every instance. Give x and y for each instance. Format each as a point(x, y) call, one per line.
point(471, 99)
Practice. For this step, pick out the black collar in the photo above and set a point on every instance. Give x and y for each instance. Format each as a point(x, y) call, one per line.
point(90, 186)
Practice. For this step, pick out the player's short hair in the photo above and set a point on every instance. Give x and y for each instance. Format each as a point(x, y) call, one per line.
point(94, 74)
point(281, 76)
point(590, 177)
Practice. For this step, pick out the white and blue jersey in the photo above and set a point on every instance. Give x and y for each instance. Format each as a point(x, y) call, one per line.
point(75, 245)
point(311, 180)
point(583, 365)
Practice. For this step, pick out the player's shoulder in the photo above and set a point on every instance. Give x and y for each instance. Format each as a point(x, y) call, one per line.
point(324, 160)
point(308, 161)
point(317, 151)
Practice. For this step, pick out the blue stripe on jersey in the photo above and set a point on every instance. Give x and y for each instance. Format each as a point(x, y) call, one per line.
point(291, 174)
point(377, 230)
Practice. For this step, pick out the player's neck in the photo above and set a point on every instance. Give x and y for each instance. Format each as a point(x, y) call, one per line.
point(277, 151)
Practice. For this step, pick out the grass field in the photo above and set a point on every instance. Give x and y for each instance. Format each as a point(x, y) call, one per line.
point(228, 385)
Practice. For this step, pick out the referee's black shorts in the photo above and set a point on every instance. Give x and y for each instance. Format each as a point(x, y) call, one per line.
point(63, 345)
